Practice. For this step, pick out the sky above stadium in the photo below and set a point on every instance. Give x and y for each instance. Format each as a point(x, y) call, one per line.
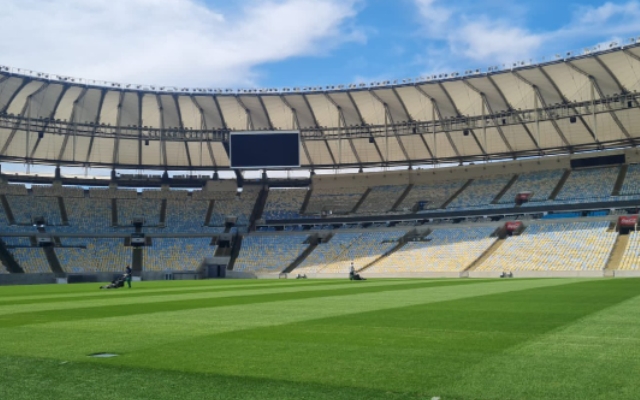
point(288, 43)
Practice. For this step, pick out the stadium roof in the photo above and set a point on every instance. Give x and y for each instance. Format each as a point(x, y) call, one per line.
point(572, 104)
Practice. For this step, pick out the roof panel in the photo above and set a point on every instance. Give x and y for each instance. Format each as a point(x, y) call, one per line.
point(318, 152)
point(304, 160)
point(280, 114)
point(176, 153)
point(170, 114)
point(518, 138)
point(130, 111)
point(416, 150)
point(150, 111)
point(348, 108)
point(467, 145)
point(394, 105)
point(592, 67)
point(605, 128)
point(573, 85)
point(342, 152)
point(366, 151)
point(7, 90)
point(128, 152)
point(220, 155)
point(87, 106)
point(200, 156)
point(440, 146)
point(20, 100)
point(326, 112)
point(371, 110)
point(495, 100)
point(259, 118)
point(624, 67)
point(546, 135)
point(630, 119)
point(418, 106)
point(302, 110)
point(234, 115)
point(467, 101)
point(109, 110)
point(576, 133)
point(390, 149)
point(17, 147)
point(44, 102)
point(102, 151)
point(537, 78)
point(76, 149)
point(434, 91)
point(48, 147)
point(492, 142)
point(210, 112)
point(191, 116)
point(151, 153)
point(65, 107)
point(519, 94)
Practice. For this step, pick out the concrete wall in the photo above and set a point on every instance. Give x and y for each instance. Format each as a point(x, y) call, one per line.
point(26, 279)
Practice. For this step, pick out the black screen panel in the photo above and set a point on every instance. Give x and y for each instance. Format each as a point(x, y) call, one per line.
point(264, 150)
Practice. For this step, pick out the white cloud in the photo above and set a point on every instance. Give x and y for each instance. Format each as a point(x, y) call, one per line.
point(171, 42)
point(467, 35)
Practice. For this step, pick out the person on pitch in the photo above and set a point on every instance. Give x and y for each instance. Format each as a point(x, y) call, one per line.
point(128, 275)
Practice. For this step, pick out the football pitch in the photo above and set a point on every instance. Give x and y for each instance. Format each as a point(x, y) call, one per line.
point(323, 339)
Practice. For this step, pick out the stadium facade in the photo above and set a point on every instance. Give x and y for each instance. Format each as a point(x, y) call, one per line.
point(512, 151)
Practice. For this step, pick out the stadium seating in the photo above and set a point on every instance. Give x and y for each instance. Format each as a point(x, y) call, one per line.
point(433, 195)
point(480, 192)
point(31, 259)
point(232, 203)
point(87, 215)
point(448, 250)
point(381, 199)
point(631, 185)
point(186, 215)
point(631, 256)
point(148, 209)
point(26, 208)
point(284, 204)
point(177, 254)
point(592, 184)
point(561, 246)
point(334, 200)
point(93, 255)
point(269, 253)
point(336, 255)
point(541, 184)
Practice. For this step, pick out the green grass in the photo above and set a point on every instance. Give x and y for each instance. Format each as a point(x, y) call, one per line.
point(315, 339)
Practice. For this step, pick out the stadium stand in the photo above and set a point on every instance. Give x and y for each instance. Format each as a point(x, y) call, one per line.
point(93, 255)
point(334, 200)
point(540, 184)
point(631, 185)
point(233, 203)
point(326, 252)
point(447, 250)
point(186, 215)
point(562, 246)
point(88, 215)
point(26, 208)
point(148, 209)
point(269, 253)
point(177, 254)
point(589, 184)
point(480, 192)
point(381, 199)
point(31, 259)
point(432, 195)
point(631, 257)
point(284, 204)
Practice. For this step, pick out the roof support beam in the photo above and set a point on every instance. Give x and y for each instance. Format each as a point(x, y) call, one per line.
point(16, 126)
point(75, 125)
point(367, 129)
point(318, 127)
point(564, 99)
point(140, 129)
point(204, 127)
point(492, 115)
point(436, 109)
point(404, 107)
point(24, 83)
point(615, 79)
point(517, 114)
point(544, 106)
point(296, 124)
point(393, 128)
point(596, 86)
point(224, 122)
point(266, 113)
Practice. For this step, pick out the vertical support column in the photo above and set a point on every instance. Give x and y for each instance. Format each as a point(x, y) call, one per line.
point(593, 109)
point(433, 124)
point(537, 116)
point(484, 122)
point(136, 261)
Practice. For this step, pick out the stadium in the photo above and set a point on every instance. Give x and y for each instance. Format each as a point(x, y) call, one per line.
point(524, 172)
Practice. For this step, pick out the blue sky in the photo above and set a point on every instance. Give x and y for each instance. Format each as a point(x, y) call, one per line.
point(287, 43)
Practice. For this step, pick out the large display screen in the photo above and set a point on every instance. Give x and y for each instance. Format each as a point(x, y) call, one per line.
point(264, 150)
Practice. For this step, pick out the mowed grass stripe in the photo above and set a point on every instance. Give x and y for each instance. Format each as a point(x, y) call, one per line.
point(110, 298)
point(64, 311)
point(77, 291)
point(497, 346)
point(72, 340)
